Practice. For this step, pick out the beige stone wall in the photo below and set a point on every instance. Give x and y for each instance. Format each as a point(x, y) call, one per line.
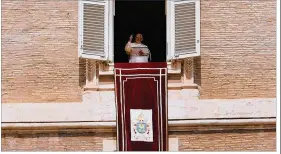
point(39, 51)
point(40, 61)
point(238, 140)
point(238, 49)
point(235, 140)
point(55, 141)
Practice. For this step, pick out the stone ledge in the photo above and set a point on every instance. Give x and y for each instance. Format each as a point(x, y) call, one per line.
point(171, 86)
point(108, 69)
point(101, 107)
point(179, 125)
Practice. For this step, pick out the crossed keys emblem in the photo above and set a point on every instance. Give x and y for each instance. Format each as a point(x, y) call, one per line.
point(141, 127)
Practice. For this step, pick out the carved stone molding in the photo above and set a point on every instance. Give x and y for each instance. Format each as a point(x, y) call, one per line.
point(92, 78)
point(95, 70)
point(188, 72)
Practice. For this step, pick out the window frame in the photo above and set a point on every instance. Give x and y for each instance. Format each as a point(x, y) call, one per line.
point(109, 30)
point(174, 64)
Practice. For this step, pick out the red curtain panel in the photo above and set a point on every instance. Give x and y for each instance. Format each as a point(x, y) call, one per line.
point(141, 106)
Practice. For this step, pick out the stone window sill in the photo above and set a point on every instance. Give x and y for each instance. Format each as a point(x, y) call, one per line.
point(99, 76)
point(173, 68)
point(110, 87)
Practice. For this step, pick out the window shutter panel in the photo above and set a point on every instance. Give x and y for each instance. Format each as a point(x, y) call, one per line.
point(185, 32)
point(93, 29)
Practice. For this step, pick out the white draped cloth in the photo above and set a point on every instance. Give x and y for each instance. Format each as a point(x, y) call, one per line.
point(139, 52)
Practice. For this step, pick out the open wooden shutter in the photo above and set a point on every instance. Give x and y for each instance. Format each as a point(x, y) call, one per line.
point(94, 29)
point(184, 29)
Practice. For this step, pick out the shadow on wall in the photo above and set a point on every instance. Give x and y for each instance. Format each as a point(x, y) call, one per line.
point(197, 71)
point(82, 72)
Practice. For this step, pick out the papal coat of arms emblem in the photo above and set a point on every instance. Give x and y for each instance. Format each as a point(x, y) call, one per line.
point(141, 125)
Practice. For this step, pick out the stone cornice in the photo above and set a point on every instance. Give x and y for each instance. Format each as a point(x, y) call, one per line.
point(178, 125)
point(100, 107)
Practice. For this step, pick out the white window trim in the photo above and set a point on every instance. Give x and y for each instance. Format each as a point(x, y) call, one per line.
point(111, 30)
point(168, 30)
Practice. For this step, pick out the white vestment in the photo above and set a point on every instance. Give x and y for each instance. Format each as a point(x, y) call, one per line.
point(136, 49)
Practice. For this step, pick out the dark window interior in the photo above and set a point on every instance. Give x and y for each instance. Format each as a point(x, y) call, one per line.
point(145, 17)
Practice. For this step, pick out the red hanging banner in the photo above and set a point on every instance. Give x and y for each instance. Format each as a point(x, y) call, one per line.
point(141, 106)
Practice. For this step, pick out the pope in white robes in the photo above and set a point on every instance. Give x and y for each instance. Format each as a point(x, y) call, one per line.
point(138, 52)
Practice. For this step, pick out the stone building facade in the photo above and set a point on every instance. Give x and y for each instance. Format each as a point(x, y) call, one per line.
point(222, 100)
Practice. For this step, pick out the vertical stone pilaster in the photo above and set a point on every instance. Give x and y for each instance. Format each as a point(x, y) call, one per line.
point(92, 79)
point(188, 72)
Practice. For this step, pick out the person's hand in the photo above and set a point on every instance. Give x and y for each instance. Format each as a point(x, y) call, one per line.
point(130, 38)
point(141, 53)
